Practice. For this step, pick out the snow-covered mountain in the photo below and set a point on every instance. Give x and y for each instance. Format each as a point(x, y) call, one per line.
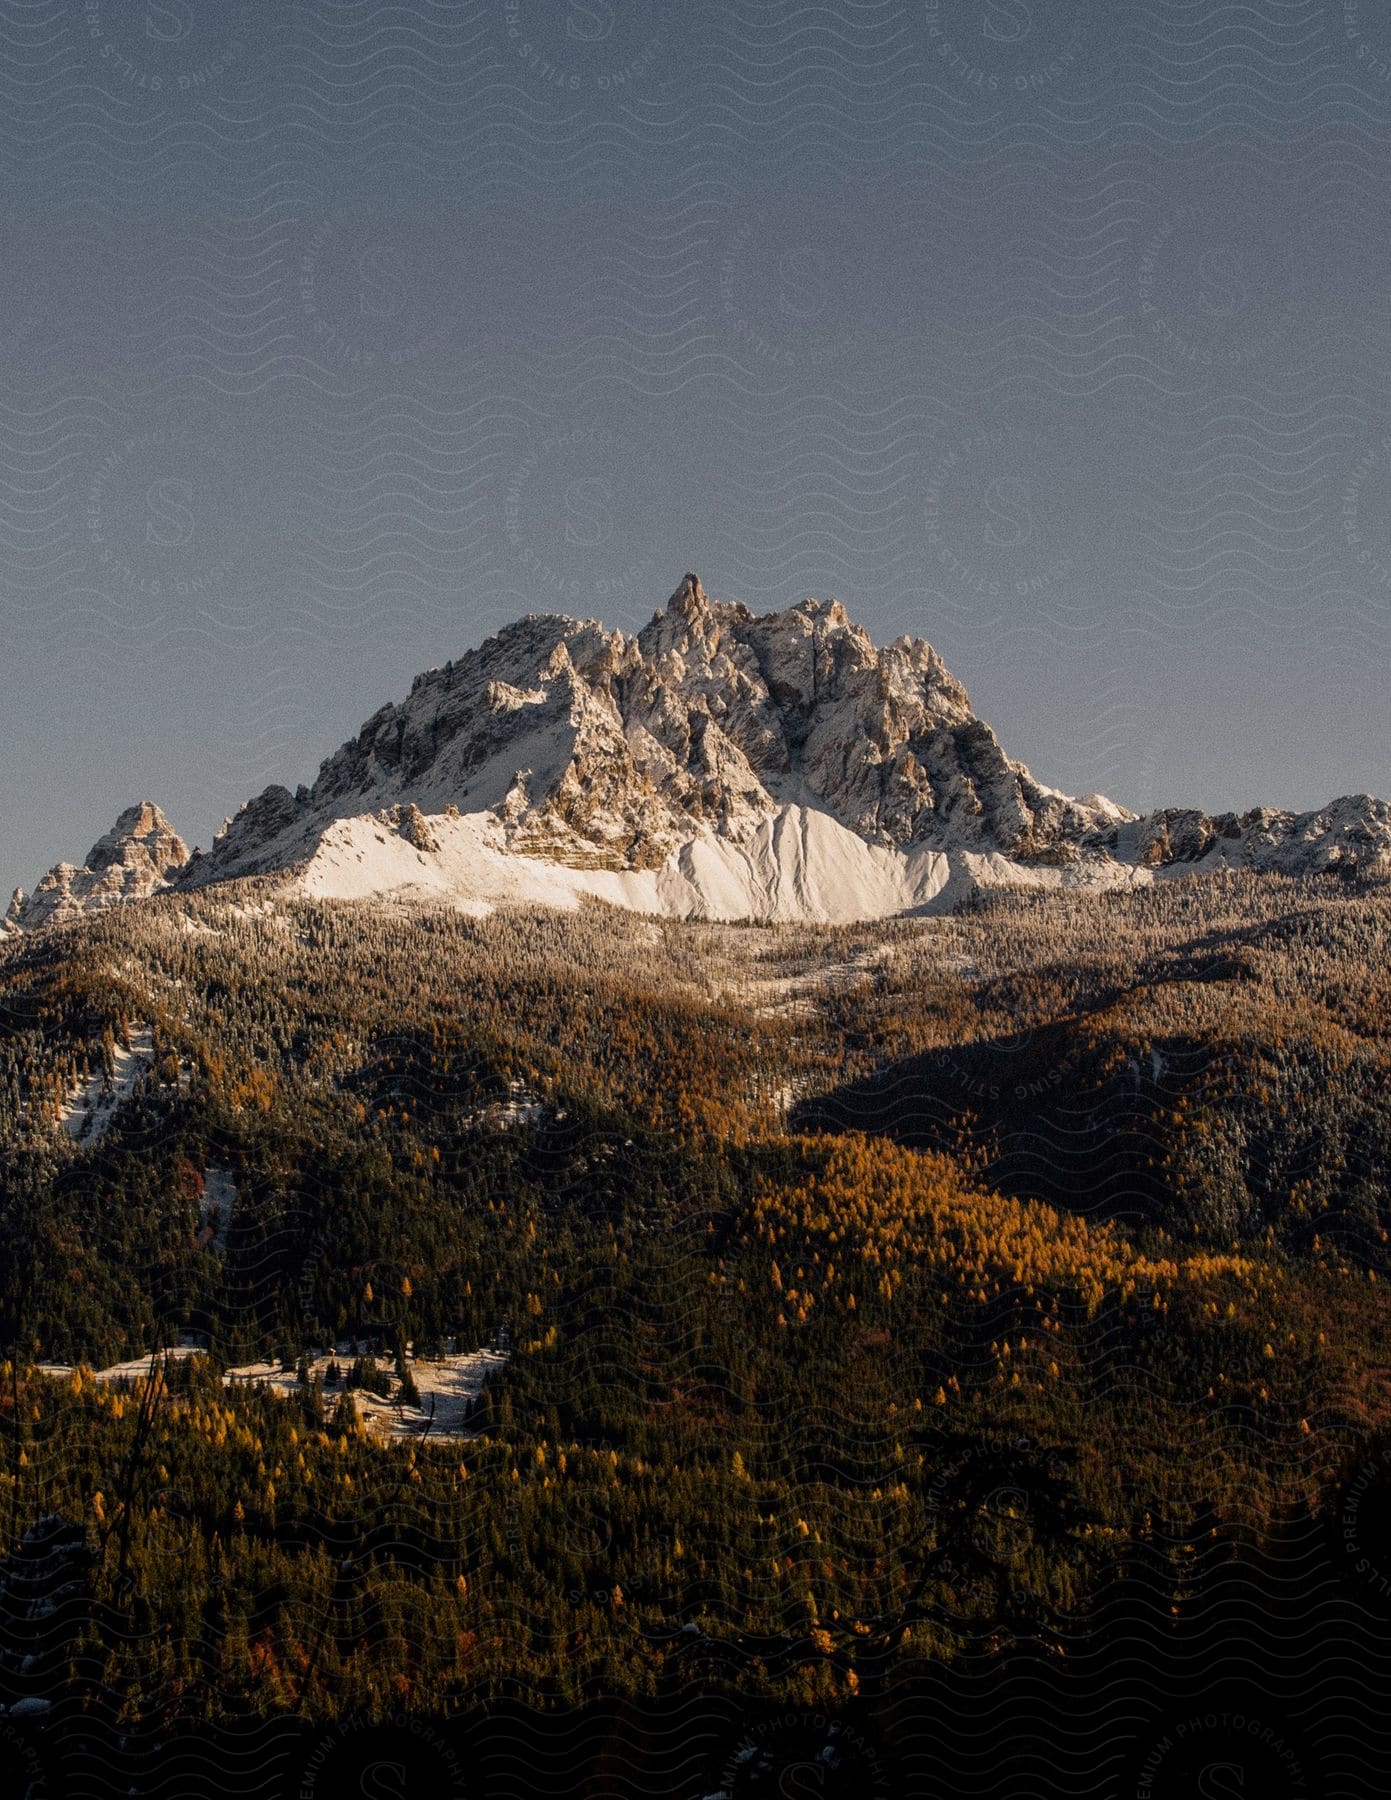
point(139, 855)
point(721, 765)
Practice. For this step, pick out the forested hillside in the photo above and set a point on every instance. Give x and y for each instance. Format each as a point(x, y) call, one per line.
point(872, 1298)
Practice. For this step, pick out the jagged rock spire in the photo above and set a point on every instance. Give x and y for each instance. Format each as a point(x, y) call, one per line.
point(690, 596)
point(141, 854)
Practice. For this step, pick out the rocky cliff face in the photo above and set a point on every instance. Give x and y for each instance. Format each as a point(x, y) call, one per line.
point(1350, 834)
point(595, 749)
point(141, 854)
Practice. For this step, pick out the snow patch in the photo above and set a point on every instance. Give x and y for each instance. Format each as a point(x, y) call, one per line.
point(799, 864)
point(88, 1113)
point(136, 1368)
point(448, 1386)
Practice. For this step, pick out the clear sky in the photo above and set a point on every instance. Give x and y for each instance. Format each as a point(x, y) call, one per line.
point(334, 335)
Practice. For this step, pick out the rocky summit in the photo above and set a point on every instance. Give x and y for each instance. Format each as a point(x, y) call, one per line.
point(138, 856)
point(596, 749)
point(715, 764)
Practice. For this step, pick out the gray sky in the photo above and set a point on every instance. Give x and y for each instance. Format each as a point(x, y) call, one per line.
point(335, 335)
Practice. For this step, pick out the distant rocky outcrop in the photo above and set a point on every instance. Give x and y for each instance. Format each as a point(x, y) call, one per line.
point(141, 854)
point(1347, 835)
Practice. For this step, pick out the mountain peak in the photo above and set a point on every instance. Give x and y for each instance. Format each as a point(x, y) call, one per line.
point(690, 596)
point(141, 827)
point(598, 751)
point(719, 764)
point(138, 856)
